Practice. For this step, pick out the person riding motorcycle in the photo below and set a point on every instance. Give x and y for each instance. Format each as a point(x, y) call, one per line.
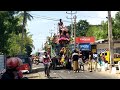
point(13, 69)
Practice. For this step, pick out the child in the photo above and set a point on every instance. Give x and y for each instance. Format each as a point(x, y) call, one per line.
point(81, 63)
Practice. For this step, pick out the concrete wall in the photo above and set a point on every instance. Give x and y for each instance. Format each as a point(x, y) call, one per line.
point(105, 45)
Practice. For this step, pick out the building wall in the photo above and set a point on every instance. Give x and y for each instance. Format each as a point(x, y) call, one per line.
point(105, 46)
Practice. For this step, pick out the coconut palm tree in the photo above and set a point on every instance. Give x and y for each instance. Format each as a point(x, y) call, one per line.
point(26, 16)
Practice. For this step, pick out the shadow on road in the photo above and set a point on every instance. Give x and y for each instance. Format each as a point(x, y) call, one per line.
point(52, 77)
point(37, 70)
point(33, 77)
point(60, 68)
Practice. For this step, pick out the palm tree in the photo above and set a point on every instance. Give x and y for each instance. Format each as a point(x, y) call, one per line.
point(26, 15)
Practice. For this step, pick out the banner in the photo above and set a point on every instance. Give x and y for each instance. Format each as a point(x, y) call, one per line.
point(85, 47)
point(85, 40)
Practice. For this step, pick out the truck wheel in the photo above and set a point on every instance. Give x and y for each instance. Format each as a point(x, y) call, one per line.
point(54, 66)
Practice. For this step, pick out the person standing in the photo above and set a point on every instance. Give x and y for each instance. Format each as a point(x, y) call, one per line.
point(90, 61)
point(95, 56)
point(46, 62)
point(60, 24)
point(81, 63)
point(75, 57)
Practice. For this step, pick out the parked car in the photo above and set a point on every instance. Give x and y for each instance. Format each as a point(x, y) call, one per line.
point(27, 64)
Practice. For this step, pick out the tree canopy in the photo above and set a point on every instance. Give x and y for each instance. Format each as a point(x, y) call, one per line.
point(83, 28)
point(10, 33)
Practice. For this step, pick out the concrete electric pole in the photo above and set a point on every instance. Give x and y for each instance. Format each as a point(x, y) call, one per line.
point(75, 31)
point(51, 32)
point(71, 21)
point(110, 37)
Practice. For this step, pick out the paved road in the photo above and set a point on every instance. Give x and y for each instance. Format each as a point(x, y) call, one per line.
point(38, 73)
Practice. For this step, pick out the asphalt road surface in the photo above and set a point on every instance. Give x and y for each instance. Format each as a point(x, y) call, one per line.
point(38, 73)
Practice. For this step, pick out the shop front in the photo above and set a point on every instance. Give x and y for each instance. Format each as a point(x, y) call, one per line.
point(86, 45)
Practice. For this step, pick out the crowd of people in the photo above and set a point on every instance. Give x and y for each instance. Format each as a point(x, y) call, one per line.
point(76, 63)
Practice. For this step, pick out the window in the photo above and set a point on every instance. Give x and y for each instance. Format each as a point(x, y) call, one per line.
point(23, 60)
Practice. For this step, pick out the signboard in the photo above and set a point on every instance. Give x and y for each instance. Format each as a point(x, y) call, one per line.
point(72, 46)
point(85, 47)
point(2, 62)
point(85, 40)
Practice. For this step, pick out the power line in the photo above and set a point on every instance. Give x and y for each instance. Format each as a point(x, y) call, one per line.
point(73, 13)
point(92, 17)
point(55, 19)
point(49, 18)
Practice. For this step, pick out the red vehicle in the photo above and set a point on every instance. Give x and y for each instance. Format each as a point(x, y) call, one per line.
point(27, 64)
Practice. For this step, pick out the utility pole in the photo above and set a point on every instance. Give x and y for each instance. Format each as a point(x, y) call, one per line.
point(110, 38)
point(54, 28)
point(71, 21)
point(75, 31)
point(42, 46)
point(51, 31)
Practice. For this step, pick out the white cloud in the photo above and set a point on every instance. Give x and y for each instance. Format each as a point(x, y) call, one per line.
point(44, 21)
point(100, 16)
point(104, 14)
point(94, 21)
point(113, 13)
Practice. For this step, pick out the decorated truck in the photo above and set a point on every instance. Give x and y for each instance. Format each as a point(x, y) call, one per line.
point(60, 46)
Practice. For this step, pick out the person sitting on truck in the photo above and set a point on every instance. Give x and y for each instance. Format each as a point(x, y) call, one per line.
point(12, 69)
point(60, 24)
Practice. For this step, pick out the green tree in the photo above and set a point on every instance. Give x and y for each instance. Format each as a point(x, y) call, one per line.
point(82, 28)
point(8, 23)
point(25, 15)
point(13, 45)
point(10, 35)
point(96, 31)
point(28, 43)
point(116, 26)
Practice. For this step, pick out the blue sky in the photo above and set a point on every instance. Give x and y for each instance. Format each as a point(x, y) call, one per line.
point(40, 27)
